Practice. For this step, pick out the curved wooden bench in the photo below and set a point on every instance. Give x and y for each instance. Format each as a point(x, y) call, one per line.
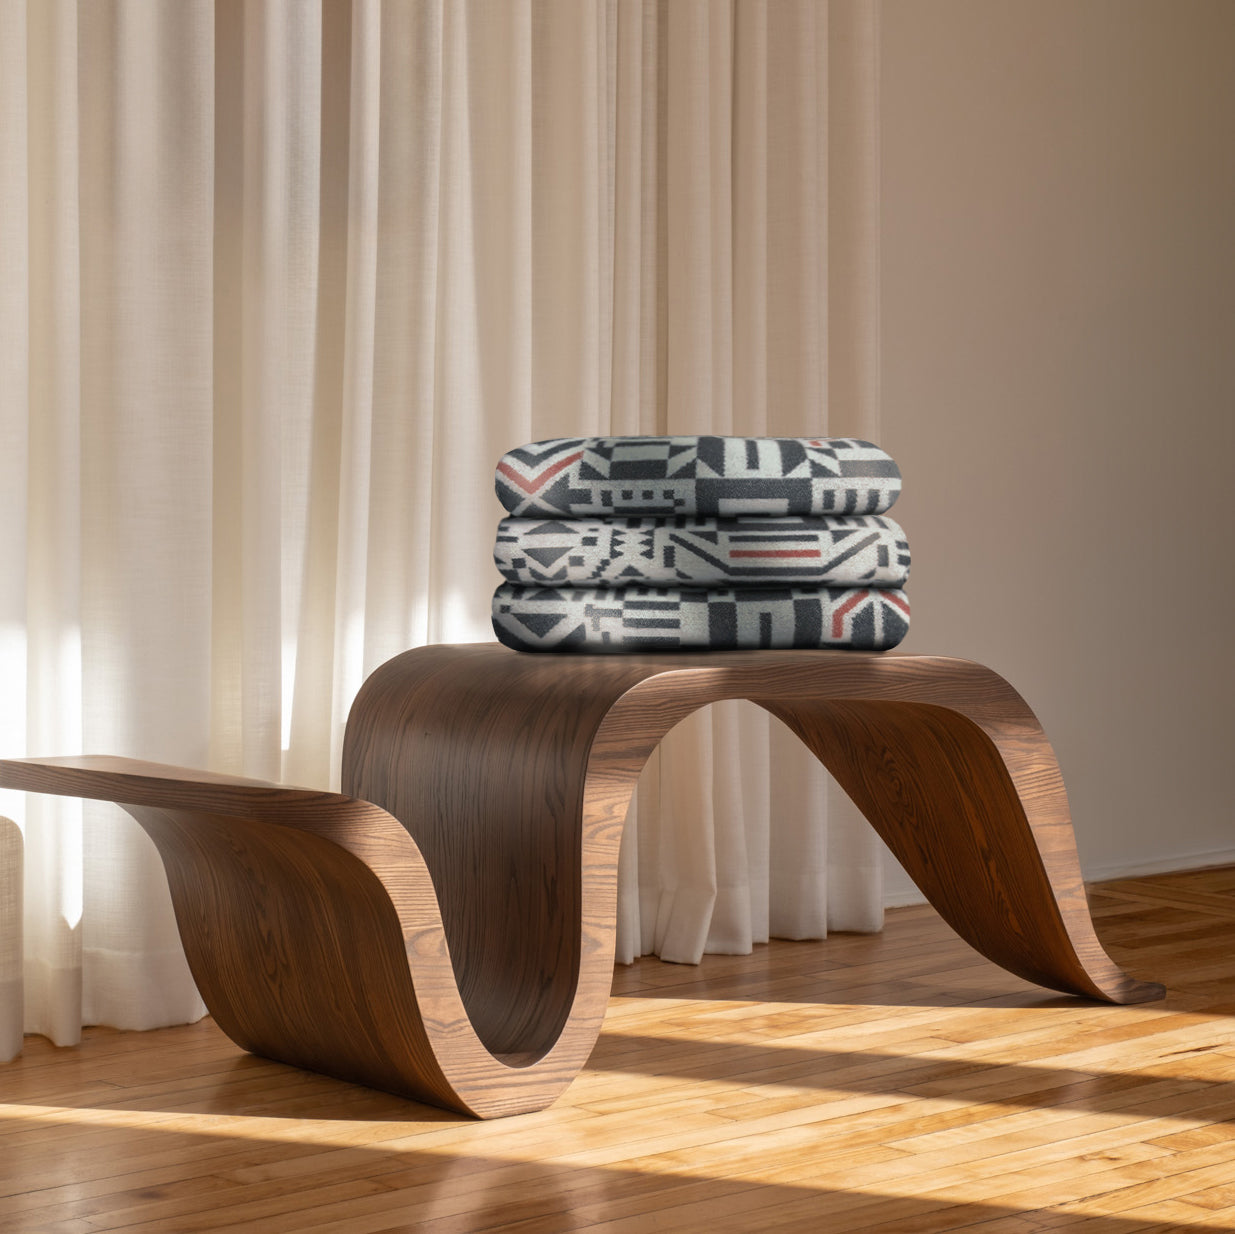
point(445, 929)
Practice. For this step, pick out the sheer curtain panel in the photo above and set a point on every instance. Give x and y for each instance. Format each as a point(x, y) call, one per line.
point(282, 281)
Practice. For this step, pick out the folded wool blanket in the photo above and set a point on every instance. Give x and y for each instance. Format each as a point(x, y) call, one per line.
point(853, 551)
point(675, 618)
point(721, 477)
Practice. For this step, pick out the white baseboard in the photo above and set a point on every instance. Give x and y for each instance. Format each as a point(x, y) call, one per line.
point(1162, 865)
point(899, 890)
point(902, 897)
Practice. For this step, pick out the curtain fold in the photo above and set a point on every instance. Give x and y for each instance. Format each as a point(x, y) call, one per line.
point(283, 281)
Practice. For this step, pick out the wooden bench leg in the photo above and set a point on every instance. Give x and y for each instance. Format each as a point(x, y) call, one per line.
point(311, 926)
point(981, 825)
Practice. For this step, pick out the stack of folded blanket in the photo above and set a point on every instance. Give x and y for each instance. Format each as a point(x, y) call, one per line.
point(662, 543)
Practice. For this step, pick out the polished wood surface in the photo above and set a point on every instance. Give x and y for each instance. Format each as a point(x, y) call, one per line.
point(445, 929)
point(895, 1083)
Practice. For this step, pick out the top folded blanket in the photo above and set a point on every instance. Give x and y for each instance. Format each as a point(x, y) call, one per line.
point(722, 477)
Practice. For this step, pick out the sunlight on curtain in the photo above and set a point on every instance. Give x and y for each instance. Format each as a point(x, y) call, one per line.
point(283, 281)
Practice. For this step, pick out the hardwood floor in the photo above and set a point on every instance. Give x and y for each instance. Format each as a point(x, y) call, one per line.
point(892, 1083)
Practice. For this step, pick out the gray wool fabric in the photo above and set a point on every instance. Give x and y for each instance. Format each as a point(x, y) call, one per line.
point(681, 618)
point(857, 551)
point(719, 477)
point(686, 543)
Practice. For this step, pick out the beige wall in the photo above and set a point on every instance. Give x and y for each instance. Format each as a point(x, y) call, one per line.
point(1058, 358)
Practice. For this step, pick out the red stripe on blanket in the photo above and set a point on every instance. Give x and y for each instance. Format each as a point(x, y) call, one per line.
point(838, 617)
point(537, 482)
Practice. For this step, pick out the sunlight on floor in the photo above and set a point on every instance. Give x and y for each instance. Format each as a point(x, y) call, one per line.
point(1113, 1145)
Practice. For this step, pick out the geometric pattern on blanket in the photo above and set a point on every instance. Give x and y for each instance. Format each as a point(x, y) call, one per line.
point(720, 477)
point(855, 551)
point(672, 618)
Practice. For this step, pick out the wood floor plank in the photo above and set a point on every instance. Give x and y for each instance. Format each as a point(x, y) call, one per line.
point(892, 1083)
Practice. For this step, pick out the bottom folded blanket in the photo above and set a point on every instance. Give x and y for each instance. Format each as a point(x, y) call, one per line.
point(669, 618)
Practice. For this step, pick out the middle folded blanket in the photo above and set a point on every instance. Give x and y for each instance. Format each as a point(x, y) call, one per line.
point(839, 551)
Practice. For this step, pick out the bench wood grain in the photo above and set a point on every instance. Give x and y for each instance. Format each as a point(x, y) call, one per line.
point(444, 928)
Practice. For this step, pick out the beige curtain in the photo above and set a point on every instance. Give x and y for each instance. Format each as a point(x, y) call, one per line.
point(282, 281)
